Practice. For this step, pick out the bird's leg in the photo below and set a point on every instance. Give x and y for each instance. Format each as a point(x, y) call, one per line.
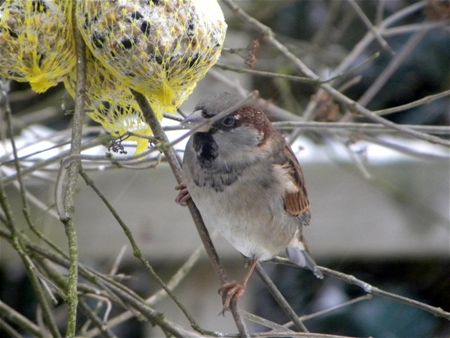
point(231, 292)
point(183, 194)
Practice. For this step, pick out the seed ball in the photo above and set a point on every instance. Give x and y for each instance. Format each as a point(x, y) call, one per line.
point(160, 48)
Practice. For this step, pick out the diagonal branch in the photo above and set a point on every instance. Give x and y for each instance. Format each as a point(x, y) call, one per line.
point(377, 291)
point(370, 289)
point(23, 322)
point(282, 302)
point(393, 66)
point(174, 163)
point(371, 27)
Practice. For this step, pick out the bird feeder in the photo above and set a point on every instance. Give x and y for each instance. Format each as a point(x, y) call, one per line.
point(36, 41)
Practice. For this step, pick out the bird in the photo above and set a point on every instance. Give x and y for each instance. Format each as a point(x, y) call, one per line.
point(247, 183)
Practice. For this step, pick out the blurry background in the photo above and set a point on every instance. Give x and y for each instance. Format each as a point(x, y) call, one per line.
point(380, 202)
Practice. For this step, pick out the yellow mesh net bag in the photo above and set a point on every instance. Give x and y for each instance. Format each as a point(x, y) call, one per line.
point(161, 48)
point(111, 104)
point(36, 41)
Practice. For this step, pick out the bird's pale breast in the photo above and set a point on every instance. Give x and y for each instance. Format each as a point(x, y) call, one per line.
point(249, 212)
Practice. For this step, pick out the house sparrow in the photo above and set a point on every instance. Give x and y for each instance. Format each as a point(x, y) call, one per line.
point(248, 184)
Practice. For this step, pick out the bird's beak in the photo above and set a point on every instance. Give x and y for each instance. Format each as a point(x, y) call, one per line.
point(195, 120)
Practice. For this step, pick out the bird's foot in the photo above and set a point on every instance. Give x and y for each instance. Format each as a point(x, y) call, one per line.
point(230, 293)
point(183, 194)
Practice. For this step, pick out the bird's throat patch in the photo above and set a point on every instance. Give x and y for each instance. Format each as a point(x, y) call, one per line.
point(206, 148)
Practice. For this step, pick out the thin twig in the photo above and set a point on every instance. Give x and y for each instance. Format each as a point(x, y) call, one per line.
point(370, 289)
point(359, 127)
point(413, 104)
point(269, 74)
point(379, 13)
point(358, 159)
point(9, 330)
point(395, 63)
point(173, 117)
point(407, 150)
point(377, 291)
point(264, 322)
point(282, 334)
point(407, 29)
point(376, 118)
point(20, 320)
point(371, 27)
point(100, 301)
point(279, 298)
point(97, 322)
point(118, 260)
point(333, 308)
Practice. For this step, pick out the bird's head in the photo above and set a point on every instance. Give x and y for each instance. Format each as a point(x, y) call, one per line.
point(234, 132)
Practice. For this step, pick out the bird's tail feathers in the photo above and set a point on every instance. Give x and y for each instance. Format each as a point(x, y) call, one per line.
point(298, 255)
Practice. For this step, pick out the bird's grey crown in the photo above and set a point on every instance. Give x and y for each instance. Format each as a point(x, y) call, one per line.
point(218, 103)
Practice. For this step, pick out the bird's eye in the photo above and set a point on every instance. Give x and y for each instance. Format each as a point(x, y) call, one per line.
point(229, 122)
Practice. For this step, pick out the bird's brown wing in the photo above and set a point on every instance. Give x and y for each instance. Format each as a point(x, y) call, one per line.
point(296, 201)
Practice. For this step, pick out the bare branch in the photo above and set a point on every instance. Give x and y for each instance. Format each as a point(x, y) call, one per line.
point(282, 302)
point(265, 322)
point(379, 292)
point(273, 334)
point(332, 309)
point(413, 104)
point(20, 320)
point(269, 74)
point(370, 289)
point(395, 63)
point(75, 149)
point(371, 27)
point(94, 318)
point(359, 127)
point(174, 162)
